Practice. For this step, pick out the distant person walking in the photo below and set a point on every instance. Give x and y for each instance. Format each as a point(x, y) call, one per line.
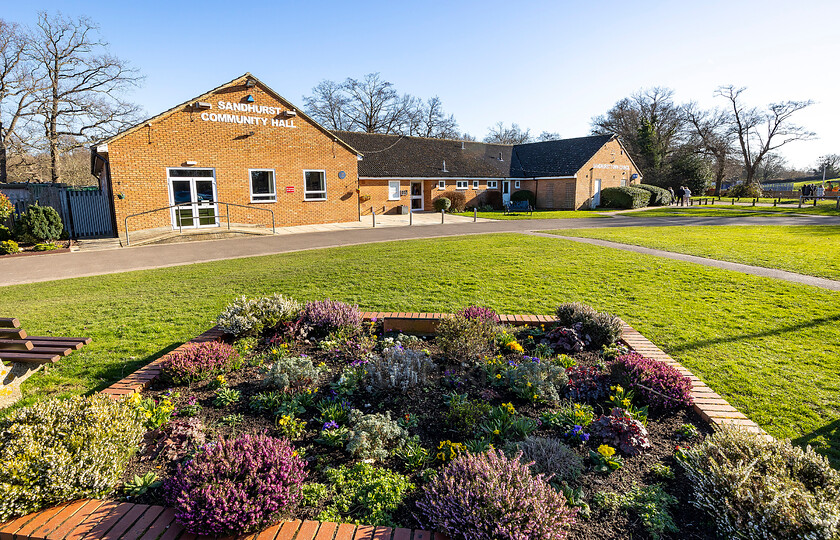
point(820, 191)
point(686, 196)
point(680, 193)
point(673, 197)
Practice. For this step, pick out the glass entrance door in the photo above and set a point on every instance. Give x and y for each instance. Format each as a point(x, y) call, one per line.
point(417, 196)
point(195, 191)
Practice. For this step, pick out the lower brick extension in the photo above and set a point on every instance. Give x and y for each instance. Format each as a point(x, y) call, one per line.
point(95, 519)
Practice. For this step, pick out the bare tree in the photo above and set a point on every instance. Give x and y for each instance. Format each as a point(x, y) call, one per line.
point(709, 131)
point(549, 136)
point(84, 86)
point(773, 166)
point(17, 95)
point(500, 134)
point(374, 106)
point(327, 104)
point(648, 123)
point(430, 120)
point(759, 132)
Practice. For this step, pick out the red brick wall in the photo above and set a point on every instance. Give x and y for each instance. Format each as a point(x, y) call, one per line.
point(610, 164)
point(139, 160)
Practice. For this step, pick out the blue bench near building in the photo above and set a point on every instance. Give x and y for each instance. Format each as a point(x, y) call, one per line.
point(515, 207)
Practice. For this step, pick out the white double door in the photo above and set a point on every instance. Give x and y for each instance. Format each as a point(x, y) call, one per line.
point(194, 191)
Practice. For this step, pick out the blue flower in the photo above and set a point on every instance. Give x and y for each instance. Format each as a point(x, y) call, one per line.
point(330, 425)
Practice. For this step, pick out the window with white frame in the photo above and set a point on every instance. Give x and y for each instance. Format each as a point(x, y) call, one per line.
point(475, 184)
point(461, 184)
point(492, 184)
point(394, 190)
point(441, 184)
point(262, 185)
point(314, 186)
point(623, 182)
point(516, 184)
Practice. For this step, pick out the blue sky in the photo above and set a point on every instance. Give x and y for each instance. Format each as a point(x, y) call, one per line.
point(548, 66)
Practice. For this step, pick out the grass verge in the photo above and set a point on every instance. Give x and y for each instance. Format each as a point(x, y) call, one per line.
point(727, 210)
point(804, 249)
point(766, 345)
point(543, 214)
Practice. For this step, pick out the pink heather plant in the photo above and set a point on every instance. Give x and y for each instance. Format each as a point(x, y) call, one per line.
point(658, 383)
point(492, 497)
point(478, 312)
point(198, 361)
point(328, 315)
point(236, 485)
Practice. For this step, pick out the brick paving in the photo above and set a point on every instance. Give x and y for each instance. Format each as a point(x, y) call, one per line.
point(91, 519)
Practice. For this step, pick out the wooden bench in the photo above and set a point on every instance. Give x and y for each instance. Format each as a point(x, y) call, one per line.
point(19, 347)
point(519, 206)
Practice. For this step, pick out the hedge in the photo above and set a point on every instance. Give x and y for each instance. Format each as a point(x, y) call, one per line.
point(625, 197)
point(458, 200)
point(658, 195)
point(524, 195)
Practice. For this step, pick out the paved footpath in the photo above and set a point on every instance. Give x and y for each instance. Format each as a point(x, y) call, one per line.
point(20, 270)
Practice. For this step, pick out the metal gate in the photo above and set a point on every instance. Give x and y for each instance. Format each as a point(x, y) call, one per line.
point(90, 213)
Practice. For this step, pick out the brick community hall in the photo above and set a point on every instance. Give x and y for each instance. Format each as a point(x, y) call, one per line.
point(245, 145)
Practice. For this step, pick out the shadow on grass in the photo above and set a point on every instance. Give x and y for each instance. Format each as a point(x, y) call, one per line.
point(116, 372)
point(766, 333)
point(829, 432)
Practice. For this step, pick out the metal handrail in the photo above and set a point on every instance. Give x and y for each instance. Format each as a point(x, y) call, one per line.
point(180, 224)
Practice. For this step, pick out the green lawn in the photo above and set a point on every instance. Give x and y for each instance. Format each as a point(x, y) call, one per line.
point(724, 209)
point(543, 214)
point(770, 347)
point(812, 250)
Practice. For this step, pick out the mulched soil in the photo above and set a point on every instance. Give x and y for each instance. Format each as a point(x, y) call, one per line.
point(427, 403)
point(29, 249)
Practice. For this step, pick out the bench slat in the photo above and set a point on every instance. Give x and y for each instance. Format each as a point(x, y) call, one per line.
point(82, 340)
point(16, 345)
point(12, 333)
point(75, 345)
point(29, 357)
point(9, 322)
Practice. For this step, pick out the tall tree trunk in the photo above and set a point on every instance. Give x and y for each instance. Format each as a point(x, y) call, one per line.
point(3, 175)
point(720, 173)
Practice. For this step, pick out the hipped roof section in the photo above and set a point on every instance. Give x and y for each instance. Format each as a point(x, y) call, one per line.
point(237, 81)
point(397, 156)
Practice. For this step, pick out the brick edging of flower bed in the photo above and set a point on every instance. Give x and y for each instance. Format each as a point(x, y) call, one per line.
point(93, 518)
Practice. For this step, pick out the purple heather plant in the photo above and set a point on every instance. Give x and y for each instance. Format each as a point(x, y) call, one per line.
point(324, 316)
point(622, 430)
point(587, 384)
point(479, 312)
point(658, 383)
point(199, 361)
point(492, 497)
point(236, 485)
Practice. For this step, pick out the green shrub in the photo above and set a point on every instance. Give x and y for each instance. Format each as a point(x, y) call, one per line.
point(462, 338)
point(458, 200)
point(373, 436)
point(365, 494)
point(40, 223)
point(8, 247)
point(534, 380)
point(465, 414)
point(61, 450)
point(652, 505)
point(658, 195)
point(442, 203)
point(5, 233)
point(744, 190)
point(624, 197)
point(45, 247)
point(245, 316)
point(755, 488)
point(524, 195)
point(601, 327)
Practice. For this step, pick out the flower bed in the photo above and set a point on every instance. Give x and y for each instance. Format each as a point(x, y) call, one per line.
point(482, 431)
point(382, 421)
